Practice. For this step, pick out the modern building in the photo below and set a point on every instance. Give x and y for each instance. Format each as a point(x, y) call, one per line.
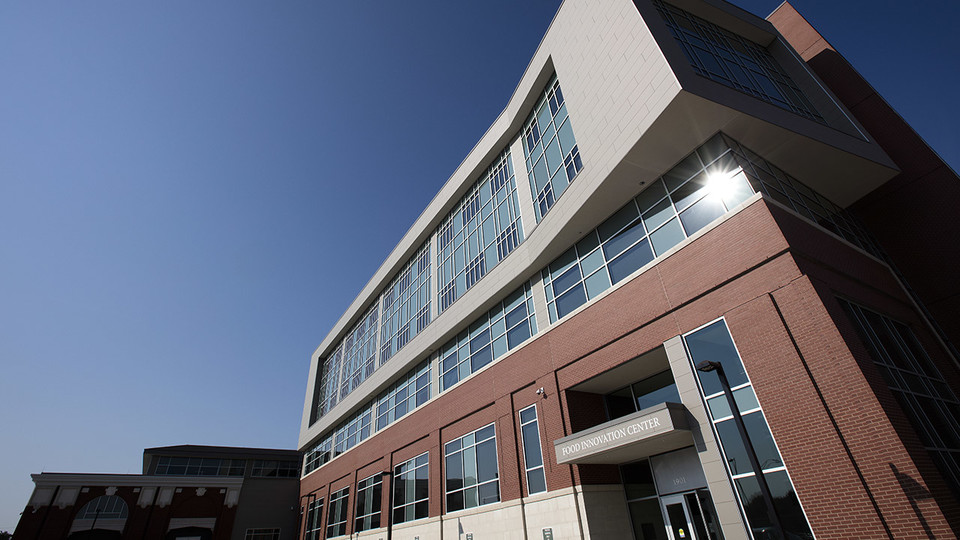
point(695, 282)
point(185, 492)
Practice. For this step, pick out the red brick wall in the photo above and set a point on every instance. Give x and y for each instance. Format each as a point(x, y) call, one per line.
point(743, 269)
point(52, 522)
point(912, 215)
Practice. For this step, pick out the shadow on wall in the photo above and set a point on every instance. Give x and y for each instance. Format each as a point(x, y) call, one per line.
point(914, 492)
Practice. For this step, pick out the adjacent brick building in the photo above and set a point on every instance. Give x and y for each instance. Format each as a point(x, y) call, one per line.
point(185, 492)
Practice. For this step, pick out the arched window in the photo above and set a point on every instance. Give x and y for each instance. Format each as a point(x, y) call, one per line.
point(104, 507)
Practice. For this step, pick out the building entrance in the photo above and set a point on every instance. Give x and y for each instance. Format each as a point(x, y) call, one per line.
point(668, 499)
point(689, 516)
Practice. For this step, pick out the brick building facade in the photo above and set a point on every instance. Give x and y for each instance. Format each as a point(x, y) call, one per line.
point(185, 492)
point(731, 198)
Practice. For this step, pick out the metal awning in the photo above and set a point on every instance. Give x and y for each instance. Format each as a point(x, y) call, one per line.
point(654, 430)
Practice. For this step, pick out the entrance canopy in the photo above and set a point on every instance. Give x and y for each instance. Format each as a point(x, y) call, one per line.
point(653, 430)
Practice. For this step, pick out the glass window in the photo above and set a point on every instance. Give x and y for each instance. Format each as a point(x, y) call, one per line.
point(410, 392)
point(655, 390)
point(763, 176)
point(400, 313)
point(313, 529)
point(262, 534)
point(648, 392)
point(917, 384)
point(507, 325)
point(735, 61)
point(411, 489)
point(642, 500)
point(353, 431)
point(701, 189)
point(196, 466)
point(405, 305)
point(714, 343)
point(532, 452)
point(337, 518)
point(552, 157)
point(479, 232)
point(104, 507)
point(369, 499)
point(472, 474)
point(360, 352)
point(274, 469)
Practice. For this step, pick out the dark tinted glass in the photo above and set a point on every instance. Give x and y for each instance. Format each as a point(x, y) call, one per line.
point(536, 481)
point(787, 506)
point(487, 460)
point(655, 390)
point(647, 520)
point(638, 480)
point(630, 261)
point(620, 403)
point(490, 493)
point(754, 507)
point(714, 343)
point(571, 300)
point(454, 472)
point(531, 445)
point(454, 501)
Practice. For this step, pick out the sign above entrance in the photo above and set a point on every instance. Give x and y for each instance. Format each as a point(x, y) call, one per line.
point(653, 430)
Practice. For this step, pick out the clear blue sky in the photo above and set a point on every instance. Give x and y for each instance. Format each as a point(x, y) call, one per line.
point(191, 193)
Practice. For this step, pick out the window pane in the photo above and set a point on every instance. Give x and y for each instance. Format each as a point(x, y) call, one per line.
point(667, 236)
point(570, 301)
point(487, 460)
point(647, 520)
point(630, 261)
point(638, 480)
point(536, 482)
point(787, 505)
point(531, 445)
point(713, 343)
point(701, 213)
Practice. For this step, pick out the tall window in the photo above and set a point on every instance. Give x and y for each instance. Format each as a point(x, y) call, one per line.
point(400, 313)
point(337, 518)
point(326, 393)
point(411, 489)
point(369, 498)
point(713, 343)
point(406, 305)
point(552, 156)
point(472, 472)
point(734, 61)
point(532, 453)
point(479, 233)
point(360, 352)
point(313, 529)
point(917, 385)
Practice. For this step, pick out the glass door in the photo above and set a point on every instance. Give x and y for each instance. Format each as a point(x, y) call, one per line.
point(678, 517)
point(685, 518)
